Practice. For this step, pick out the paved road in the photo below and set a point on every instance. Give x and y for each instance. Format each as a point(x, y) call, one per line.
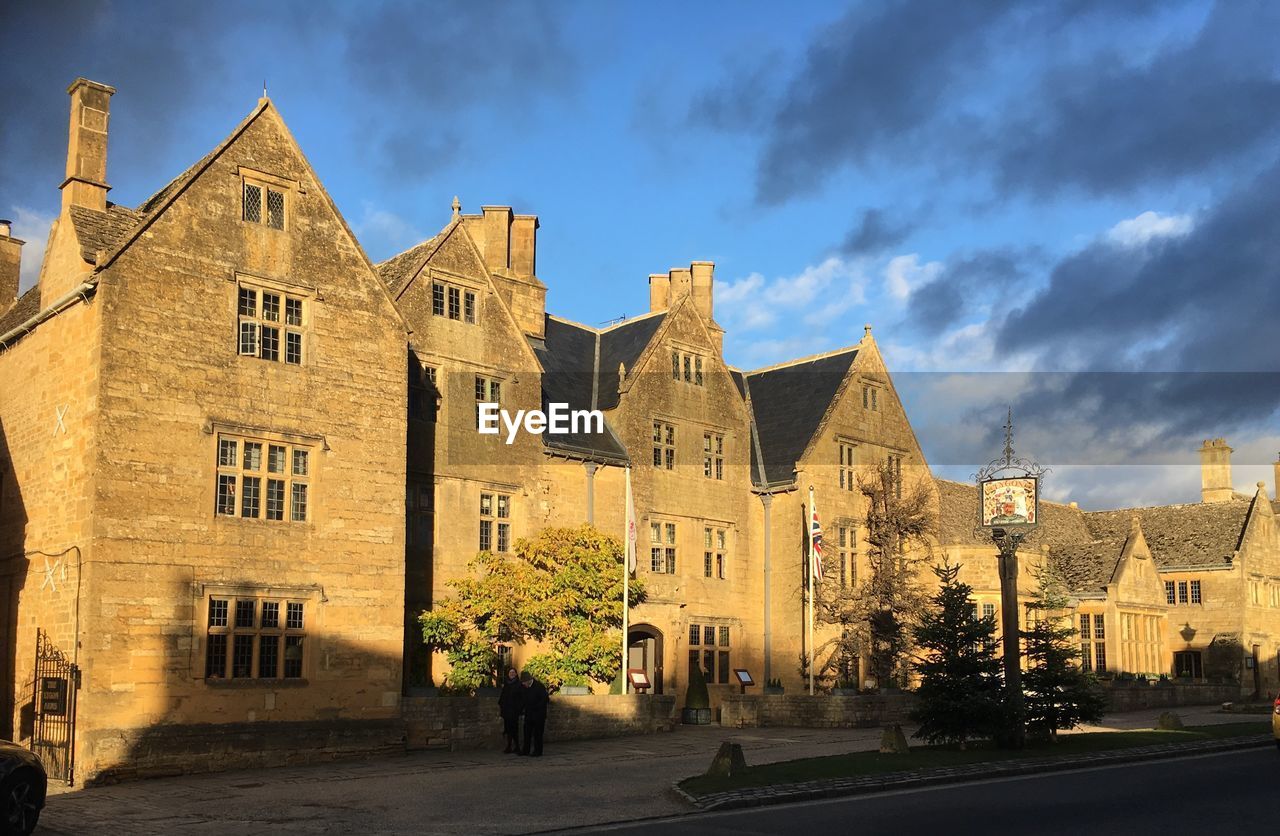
point(1233, 793)
point(577, 783)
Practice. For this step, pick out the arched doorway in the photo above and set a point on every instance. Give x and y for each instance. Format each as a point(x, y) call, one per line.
point(644, 651)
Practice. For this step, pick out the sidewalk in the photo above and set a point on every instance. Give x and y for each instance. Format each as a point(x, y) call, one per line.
point(576, 783)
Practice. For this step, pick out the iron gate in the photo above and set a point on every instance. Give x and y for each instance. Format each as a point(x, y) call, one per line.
point(56, 682)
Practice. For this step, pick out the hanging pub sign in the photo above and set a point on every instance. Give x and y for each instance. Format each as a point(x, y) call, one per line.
point(1010, 502)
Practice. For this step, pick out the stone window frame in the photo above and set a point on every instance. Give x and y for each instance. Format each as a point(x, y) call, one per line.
point(713, 454)
point(454, 298)
point(665, 439)
point(871, 397)
point(715, 545)
point(713, 656)
point(309, 597)
point(420, 511)
point(311, 445)
point(664, 538)
point(494, 507)
point(688, 366)
point(1093, 641)
point(266, 186)
point(847, 452)
point(425, 394)
point(846, 538)
point(257, 321)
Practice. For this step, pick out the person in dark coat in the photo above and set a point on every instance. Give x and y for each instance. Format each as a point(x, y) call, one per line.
point(535, 714)
point(510, 705)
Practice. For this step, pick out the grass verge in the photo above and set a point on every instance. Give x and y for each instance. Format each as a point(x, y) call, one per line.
point(938, 757)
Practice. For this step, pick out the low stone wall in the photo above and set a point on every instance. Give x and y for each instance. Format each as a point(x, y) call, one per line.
point(1122, 696)
point(817, 712)
point(473, 723)
point(109, 756)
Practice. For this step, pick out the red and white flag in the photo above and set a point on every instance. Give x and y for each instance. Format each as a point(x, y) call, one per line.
point(631, 528)
point(815, 541)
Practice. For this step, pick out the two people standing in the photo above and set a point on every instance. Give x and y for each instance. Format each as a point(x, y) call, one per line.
point(523, 695)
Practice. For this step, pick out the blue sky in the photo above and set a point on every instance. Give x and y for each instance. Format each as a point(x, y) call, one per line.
point(1080, 196)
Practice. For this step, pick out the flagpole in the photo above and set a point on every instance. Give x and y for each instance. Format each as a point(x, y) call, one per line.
point(627, 557)
point(809, 526)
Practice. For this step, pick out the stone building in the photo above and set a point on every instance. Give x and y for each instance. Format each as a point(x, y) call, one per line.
point(1189, 590)
point(202, 469)
point(719, 456)
point(238, 460)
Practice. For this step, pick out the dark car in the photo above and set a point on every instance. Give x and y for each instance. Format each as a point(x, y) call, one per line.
point(22, 789)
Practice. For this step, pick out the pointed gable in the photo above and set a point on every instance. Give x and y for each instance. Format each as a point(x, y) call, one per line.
point(788, 403)
point(622, 345)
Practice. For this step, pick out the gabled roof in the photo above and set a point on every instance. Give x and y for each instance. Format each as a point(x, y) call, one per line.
point(623, 344)
point(1087, 567)
point(27, 306)
point(568, 354)
point(1201, 534)
point(399, 269)
point(100, 231)
point(788, 403)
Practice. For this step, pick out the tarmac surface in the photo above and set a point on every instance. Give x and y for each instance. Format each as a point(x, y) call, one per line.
point(575, 784)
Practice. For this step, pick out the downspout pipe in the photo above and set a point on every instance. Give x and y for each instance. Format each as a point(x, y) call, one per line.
point(81, 293)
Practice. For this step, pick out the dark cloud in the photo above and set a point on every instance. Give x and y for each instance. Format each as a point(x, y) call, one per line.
point(898, 83)
point(874, 233)
point(868, 82)
point(1108, 125)
point(969, 282)
point(156, 54)
point(402, 78)
point(1205, 301)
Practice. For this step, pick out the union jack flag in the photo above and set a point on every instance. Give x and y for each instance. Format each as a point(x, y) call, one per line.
point(815, 542)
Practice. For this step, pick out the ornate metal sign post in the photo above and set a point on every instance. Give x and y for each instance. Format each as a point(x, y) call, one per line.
point(1009, 507)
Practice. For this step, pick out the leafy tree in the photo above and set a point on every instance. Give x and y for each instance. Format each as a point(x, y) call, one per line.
point(960, 683)
point(877, 614)
point(561, 589)
point(1059, 695)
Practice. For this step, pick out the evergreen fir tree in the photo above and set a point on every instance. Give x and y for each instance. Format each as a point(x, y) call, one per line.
point(960, 683)
point(1059, 695)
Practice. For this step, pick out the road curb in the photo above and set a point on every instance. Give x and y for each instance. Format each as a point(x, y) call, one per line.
point(861, 785)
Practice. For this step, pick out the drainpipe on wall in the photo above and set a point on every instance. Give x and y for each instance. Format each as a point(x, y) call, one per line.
point(767, 500)
point(591, 468)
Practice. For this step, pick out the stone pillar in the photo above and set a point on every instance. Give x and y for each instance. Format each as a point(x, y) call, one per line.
point(767, 501)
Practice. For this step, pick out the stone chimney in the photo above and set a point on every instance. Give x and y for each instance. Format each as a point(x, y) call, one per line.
point(10, 266)
point(702, 280)
point(659, 292)
point(1277, 477)
point(86, 181)
point(497, 237)
point(524, 245)
point(681, 279)
point(509, 244)
point(1215, 471)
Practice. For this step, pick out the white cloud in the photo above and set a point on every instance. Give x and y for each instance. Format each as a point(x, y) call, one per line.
point(1135, 232)
point(383, 233)
point(32, 226)
point(818, 294)
point(905, 272)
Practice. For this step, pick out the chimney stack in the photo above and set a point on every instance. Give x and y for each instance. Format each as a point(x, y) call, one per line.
point(659, 292)
point(86, 182)
point(703, 272)
point(681, 283)
point(1277, 477)
point(524, 245)
point(1215, 471)
point(497, 237)
point(10, 266)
